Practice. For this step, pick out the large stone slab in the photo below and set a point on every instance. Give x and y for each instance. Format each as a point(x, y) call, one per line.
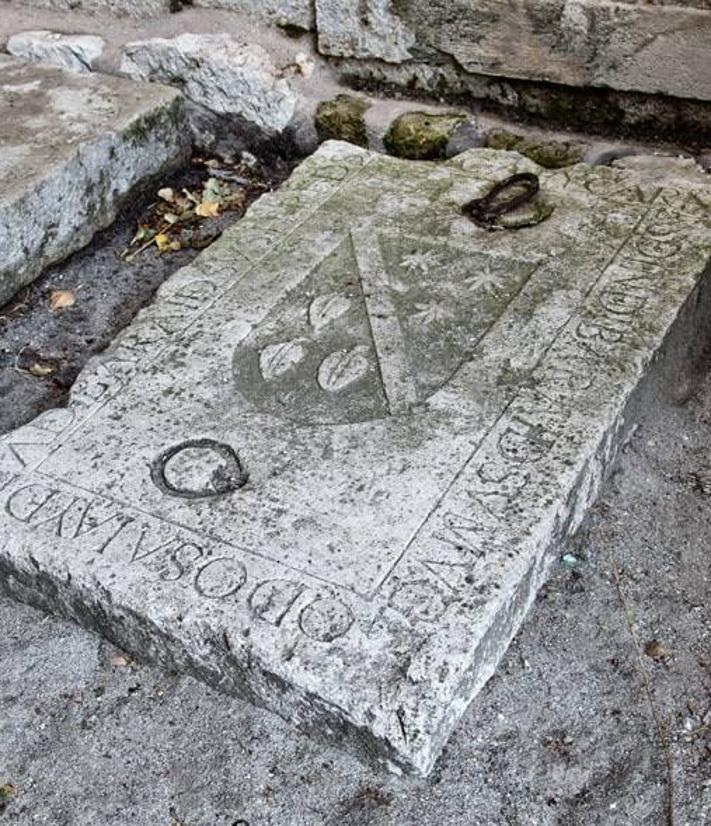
point(642, 47)
point(329, 468)
point(72, 146)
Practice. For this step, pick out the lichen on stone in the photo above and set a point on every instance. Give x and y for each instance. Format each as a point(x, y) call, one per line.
point(546, 152)
point(342, 118)
point(421, 136)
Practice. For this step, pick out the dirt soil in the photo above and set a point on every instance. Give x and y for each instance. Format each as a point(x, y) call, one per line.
point(108, 293)
point(599, 714)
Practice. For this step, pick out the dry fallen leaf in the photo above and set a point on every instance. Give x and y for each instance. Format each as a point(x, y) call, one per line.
point(208, 209)
point(165, 244)
point(171, 222)
point(61, 299)
point(656, 650)
point(120, 660)
point(304, 64)
point(41, 369)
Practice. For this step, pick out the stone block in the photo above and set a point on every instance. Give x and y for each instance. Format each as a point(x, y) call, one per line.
point(219, 73)
point(67, 51)
point(72, 146)
point(362, 28)
point(298, 14)
point(641, 47)
point(329, 468)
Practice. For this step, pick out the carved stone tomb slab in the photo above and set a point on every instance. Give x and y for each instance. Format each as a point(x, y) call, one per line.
point(328, 469)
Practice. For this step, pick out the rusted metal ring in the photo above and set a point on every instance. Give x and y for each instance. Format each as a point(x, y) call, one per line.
point(230, 477)
point(484, 211)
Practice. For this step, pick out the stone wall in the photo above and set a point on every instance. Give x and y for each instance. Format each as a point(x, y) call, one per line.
point(624, 46)
point(495, 50)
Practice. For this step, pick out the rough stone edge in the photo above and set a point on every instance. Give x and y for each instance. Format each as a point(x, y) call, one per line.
point(299, 14)
point(679, 355)
point(115, 8)
point(234, 672)
point(158, 135)
point(77, 53)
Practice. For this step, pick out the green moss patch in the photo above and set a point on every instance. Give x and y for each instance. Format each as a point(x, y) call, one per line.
point(343, 119)
point(548, 153)
point(420, 136)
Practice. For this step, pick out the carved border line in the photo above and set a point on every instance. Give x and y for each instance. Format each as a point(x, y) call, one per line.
point(98, 366)
point(375, 590)
point(517, 394)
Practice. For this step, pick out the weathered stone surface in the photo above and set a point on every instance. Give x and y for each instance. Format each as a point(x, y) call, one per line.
point(330, 467)
point(546, 152)
point(72, 146)
point(466, 135)
point(68, 51)
point(296, 13)
point(362, 28)
point(117, 8)
point(626, 46)
point(218, 72)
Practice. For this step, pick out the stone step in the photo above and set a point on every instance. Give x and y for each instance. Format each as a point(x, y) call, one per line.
point(329, 468)
point(73, 145)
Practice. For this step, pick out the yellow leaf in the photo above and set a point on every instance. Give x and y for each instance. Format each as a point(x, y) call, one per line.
point(61, 299)
point(41, 369)
point(304, 64)
point(207, 209)
point(165, 244)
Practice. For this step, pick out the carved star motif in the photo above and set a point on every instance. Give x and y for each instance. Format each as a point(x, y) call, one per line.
point(431, 313)
point(485, 280)
point(421, 261)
